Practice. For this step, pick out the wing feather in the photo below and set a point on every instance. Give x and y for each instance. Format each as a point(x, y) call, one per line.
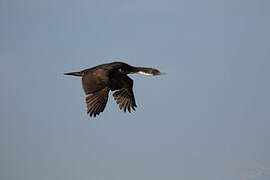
point(125, 99)
point(97, 101)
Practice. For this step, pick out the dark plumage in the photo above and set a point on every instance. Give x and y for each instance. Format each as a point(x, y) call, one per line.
point(99, 80)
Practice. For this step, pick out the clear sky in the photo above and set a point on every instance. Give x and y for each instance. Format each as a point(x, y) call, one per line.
point(208, 119)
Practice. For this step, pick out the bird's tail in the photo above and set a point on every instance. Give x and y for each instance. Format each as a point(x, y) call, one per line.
point(74, 73)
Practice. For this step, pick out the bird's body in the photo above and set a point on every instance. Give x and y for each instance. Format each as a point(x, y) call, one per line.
point(99, 80)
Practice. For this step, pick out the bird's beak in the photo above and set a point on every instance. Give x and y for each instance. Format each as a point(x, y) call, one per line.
point(162, 73)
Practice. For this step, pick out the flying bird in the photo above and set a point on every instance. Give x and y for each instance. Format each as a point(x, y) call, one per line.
point(99, 80)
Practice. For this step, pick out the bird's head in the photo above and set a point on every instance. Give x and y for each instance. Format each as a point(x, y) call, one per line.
point(127, 69)
point(150, 72)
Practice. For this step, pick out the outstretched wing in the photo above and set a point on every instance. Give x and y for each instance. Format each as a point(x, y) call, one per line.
point(97, 101)
point(125, 99)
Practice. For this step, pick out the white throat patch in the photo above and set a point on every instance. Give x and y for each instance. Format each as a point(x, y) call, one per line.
point(144, 73)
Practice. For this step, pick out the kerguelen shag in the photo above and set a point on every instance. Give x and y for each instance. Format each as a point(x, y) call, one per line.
point(99, 80)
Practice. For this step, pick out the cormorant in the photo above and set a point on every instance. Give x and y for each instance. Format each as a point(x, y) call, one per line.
point(99, 80)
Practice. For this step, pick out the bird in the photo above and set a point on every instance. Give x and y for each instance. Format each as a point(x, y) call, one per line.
point(99, 80)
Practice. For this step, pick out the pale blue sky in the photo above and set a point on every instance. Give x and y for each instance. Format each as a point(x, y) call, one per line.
point(207, 119)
